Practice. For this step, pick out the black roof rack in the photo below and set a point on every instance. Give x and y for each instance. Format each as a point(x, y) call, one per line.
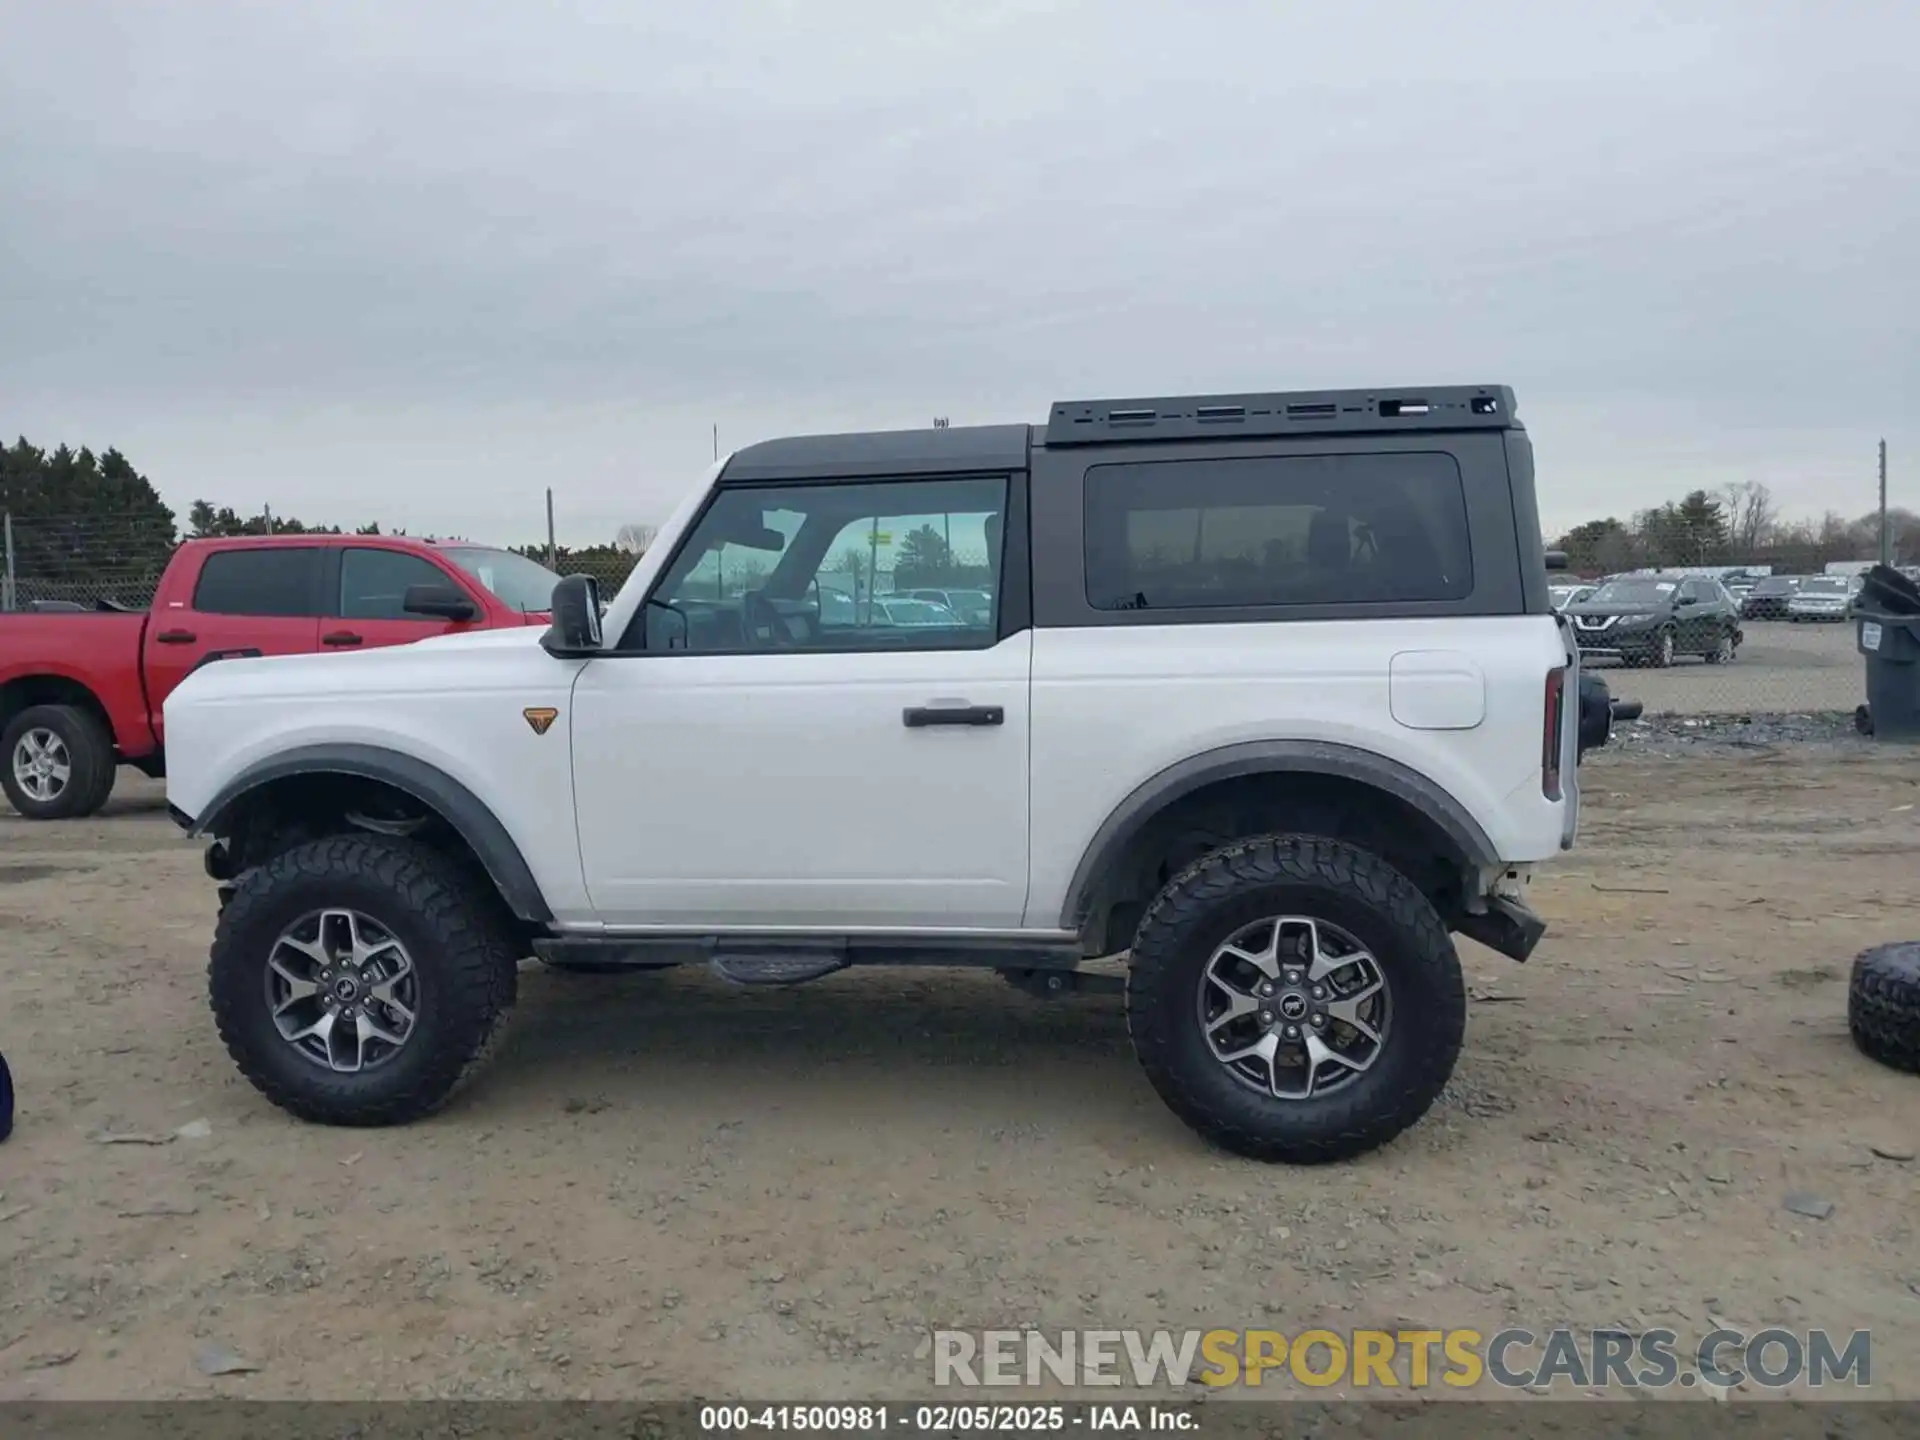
point(1304, 412)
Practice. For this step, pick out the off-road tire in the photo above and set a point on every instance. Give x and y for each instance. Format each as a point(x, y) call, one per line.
point(1295, 875)
point(462, 953)
point(90, 754)
point(1883, 1004)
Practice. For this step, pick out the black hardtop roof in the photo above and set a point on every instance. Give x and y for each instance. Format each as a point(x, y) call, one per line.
point(948, 451)
point(942, 450)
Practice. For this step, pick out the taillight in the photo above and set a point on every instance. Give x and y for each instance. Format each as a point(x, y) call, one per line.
point(1550, 737)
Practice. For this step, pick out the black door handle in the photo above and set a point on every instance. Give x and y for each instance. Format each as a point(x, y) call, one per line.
point(175, 637)
point(341, 637)
point(918, 717)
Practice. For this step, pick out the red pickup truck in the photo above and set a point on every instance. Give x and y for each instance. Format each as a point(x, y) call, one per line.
point(82, 693)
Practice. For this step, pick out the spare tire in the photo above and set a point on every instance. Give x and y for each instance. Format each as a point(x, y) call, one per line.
point(1883, 1004)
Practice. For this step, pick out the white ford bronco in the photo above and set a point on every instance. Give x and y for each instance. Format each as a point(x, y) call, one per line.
point(1265, 691)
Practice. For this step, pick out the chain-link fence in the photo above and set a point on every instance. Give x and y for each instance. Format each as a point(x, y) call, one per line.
point(1675, 616)
point(63, 561)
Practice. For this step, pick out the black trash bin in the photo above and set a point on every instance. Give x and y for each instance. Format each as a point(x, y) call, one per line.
point(1891, 645)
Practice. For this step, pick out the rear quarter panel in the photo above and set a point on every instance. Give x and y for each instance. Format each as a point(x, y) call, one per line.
point(98, 652)
point(1115, 706)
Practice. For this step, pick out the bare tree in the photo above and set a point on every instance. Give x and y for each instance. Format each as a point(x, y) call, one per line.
point(634, 539)
point(1751, 517)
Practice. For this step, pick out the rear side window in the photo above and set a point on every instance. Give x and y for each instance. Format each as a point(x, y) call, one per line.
point(270, 580)
point(1277, 530)
point(373, 583)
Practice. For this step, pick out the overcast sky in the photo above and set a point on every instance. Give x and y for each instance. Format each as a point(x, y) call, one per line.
point(417, 260)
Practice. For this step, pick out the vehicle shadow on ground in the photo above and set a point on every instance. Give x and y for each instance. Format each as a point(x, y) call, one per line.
point(885, 1034)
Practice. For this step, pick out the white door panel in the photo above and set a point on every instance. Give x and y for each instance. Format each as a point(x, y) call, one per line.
point(788, 790)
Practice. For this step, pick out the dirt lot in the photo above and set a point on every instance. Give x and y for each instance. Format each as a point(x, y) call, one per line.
point(668, 1187)
point(1780, 667)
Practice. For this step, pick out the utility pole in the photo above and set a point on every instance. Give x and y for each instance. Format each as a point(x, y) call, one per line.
point(716, 441)
point(266, 515)
point(1886, 537)
point(12, 596)
point(553, 552)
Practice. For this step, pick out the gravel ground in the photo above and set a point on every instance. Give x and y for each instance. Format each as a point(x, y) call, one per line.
point(667, 1187)
point(1675, 735)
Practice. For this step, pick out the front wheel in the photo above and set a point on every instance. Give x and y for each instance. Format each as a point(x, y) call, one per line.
point(360, 979)
point(1662, 654)
point(1294, 998)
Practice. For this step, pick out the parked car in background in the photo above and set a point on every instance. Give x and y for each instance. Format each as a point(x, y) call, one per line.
point(902, 610)
point(1823, 597)
point(972, 606)
point(1645, 620)
point(1768, 598)
point(82, 692)
point(1565, 595)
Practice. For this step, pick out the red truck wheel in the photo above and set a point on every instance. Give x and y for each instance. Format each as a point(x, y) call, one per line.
point(56, 762)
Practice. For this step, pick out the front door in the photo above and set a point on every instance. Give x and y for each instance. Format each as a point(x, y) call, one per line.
point(368, 596)
point(790, 751)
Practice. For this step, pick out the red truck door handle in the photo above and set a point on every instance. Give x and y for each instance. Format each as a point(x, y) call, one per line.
point(175, 637)
point(342, 637)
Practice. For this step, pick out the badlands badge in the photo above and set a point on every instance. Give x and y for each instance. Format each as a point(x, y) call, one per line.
point(541, 718)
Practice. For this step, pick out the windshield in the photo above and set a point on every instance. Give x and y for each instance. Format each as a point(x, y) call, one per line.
point(1633, 592)
point(516, 582)
point(1825, 585)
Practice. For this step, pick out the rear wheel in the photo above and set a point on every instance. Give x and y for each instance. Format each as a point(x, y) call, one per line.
point(360, 979)
point(1296, 999)
point(59, 762)
point(1722, 652)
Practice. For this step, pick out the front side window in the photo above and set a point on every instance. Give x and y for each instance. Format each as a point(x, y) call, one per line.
point(272, 580)
point(373, 583)
point(828, 567)
point(1293, 530)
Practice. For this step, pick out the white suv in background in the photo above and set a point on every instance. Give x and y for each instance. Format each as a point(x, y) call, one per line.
point(1268, 693)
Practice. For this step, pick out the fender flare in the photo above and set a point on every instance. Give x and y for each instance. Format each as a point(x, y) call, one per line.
point(430, 785)
point(1269, 757)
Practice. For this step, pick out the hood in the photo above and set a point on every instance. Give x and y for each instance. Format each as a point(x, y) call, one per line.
point(1624, 612)
point(449, 661)
point(527, 634)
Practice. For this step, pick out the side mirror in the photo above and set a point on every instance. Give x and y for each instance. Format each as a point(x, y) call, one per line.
point(575, 631)
point(1557, 560)
point(442, 602)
